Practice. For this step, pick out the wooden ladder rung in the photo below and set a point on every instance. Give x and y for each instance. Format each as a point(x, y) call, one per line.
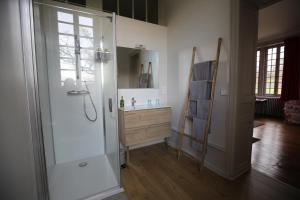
point(193, 138)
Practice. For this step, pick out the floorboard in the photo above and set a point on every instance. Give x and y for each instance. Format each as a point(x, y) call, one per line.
point(277, 154)
point(156, 174)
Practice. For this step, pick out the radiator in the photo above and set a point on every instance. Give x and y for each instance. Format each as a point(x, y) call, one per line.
point(271, 107)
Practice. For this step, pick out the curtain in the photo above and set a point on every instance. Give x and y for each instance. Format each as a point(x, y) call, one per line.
point(291, 72)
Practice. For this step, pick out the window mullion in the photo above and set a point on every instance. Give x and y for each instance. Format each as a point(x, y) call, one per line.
point(77, 57)
point(263, 69)
point(277, 71)
point(261, 73)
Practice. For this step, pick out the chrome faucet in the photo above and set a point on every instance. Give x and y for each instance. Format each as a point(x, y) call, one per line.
point(133, 101)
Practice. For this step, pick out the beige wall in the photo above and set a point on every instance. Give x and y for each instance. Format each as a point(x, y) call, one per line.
point(199, 23)
point(18, 170)
point(130, 33)
point(279, 20)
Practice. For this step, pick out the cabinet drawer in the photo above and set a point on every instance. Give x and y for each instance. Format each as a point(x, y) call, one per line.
point(158, 131)
point(142, 135)
point(147, 117)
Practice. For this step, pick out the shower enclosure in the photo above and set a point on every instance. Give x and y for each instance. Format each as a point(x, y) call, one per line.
point(76, 76)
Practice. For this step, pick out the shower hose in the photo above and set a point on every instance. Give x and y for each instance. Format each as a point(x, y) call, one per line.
point(92, 119)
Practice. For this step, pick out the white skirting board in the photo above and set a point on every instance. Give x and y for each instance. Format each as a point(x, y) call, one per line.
point(106, 194)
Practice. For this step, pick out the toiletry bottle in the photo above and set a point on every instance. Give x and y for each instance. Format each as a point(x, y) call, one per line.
point(122, 102)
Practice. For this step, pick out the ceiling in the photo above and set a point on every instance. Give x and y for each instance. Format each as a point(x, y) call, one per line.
point(264, 3)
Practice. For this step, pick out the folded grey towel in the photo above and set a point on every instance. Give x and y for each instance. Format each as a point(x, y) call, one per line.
point(193, 108)
point(203, 108)
point(203, 71)
point(200, 90)
point(199, 126)
point(199, 108)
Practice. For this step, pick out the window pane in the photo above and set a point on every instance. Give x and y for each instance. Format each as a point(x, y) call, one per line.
point(65, 17)
point(88, 75)
point(67, 52)
point(65, 28)
point(269, 63)
point(87, 65)
point(66, 40)
point(279, 91)
point(67, 74)
point(86, 43)
point(269, 51)
point(257, 71)
point(152, 11)
point(281, 61)
point(271, 71)
point(86, 21)
point(110, 5)
point(67, 64)
point(87, 54)
point(280, 74)
point(85, 31)
point(78, 2)
point(125, 8)
point(140, 10)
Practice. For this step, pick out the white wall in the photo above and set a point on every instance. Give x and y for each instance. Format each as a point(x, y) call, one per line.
point(17, 171)
point(279, 20)
point(242, 83)
point(199, 23)
point(132, 32)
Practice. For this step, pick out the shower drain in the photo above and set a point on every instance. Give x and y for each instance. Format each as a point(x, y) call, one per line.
point(82, 164)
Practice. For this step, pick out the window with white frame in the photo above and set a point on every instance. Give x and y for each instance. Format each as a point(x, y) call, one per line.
point(269, 70)
point(72, 27)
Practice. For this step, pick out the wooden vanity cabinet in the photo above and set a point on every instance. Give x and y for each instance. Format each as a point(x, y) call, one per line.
point(141, 126)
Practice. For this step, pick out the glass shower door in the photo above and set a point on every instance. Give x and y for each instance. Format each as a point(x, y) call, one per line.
point(75, 51)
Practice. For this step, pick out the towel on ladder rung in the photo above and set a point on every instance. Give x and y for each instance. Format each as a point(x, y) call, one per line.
point(199, 108)
point(200, 89)
point(203, 71)
point(199, 126)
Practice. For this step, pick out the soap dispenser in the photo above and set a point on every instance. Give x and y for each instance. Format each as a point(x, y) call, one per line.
point(122, 102)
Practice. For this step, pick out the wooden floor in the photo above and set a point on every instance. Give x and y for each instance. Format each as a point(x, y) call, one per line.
point(156, 174)
point(278, 152)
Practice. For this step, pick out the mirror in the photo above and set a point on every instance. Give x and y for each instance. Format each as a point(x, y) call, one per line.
point(137, 68)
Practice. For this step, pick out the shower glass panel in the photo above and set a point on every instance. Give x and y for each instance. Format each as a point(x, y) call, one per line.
point(75, 52)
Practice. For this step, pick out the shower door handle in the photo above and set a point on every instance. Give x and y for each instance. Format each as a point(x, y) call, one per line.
point(110, 104)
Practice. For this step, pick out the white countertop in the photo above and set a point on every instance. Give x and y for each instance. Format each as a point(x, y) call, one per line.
point(144, 107)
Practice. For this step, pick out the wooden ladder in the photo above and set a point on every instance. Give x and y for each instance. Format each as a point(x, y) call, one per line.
point(185, 113)
point(149, 74)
